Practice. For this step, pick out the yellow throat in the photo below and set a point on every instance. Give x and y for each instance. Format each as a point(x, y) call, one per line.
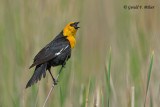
point(70, 32)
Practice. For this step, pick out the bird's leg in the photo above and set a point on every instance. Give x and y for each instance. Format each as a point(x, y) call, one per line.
point(63, 65)
point(55, 82)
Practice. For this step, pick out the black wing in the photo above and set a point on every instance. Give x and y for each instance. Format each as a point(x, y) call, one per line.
point(50, 51)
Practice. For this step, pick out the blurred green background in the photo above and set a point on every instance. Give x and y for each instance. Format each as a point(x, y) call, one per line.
point(26, 26)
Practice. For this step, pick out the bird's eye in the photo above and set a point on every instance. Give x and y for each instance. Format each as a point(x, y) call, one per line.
point(72, 24)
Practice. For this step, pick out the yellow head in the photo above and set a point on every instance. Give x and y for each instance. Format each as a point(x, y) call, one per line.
point(71, 29)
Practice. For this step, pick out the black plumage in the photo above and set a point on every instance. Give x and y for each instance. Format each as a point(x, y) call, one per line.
point(57, 52)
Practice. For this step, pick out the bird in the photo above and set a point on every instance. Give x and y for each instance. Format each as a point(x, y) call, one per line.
point(56, 53)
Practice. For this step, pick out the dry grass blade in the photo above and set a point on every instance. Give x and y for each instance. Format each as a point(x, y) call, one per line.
point(132, 96)
point(97, 98)
point(102, 97)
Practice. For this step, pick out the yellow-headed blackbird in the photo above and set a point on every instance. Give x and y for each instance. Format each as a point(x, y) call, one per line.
point(57, 52)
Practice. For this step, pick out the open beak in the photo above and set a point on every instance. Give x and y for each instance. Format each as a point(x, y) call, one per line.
point(76, 25)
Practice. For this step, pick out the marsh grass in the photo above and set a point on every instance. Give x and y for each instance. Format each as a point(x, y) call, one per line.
point(84, 97)
point(107, 74)
point(148, 80)
point(26, 26)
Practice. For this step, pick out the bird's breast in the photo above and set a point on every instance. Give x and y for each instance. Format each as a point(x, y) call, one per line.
point(72, 41)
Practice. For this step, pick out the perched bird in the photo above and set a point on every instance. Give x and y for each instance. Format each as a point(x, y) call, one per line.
point(57, 52)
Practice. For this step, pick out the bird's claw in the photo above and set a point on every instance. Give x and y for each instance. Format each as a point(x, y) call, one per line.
point(64, 65)
point(55, 82)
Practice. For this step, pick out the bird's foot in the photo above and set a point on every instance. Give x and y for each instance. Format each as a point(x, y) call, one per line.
point(64, 66)
point(55, 82)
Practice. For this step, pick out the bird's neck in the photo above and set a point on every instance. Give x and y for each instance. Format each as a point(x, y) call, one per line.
point(69, 31)
point(72, 41)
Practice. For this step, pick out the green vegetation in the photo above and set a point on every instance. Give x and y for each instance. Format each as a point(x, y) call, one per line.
point(89, 78)
point(148, 78)
point(108, 77)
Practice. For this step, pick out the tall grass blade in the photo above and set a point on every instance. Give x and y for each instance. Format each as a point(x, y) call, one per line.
point(97, 98)
point(109, 65)
point(132, 96)
point(148, 78)
point(84, 97)
point(102, 98)
point(61, 97)
point(107, 72)
point(151, 101)
point(108, 103)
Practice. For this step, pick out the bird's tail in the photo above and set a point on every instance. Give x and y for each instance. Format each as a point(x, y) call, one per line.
point(39, 71)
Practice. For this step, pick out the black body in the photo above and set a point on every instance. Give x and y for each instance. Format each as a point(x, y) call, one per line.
point(53, 54)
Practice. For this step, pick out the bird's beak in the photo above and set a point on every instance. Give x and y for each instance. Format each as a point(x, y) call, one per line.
point(76, 23)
